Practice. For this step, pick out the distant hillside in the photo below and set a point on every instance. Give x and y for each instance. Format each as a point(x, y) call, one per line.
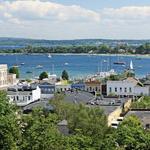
point(10, 43)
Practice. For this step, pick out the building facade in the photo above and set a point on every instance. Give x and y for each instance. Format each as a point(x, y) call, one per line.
point(24, 95)
point(3, 76)
point(11, 79)
point(47, 90)
point(93, 86)
point(127, 87)
point(78, 86)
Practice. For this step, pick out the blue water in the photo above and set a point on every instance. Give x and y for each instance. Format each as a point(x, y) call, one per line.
point(76, 65)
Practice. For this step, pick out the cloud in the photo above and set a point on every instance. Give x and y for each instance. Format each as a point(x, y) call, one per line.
point(130, 14)
point(45, 19)
point(29, 10)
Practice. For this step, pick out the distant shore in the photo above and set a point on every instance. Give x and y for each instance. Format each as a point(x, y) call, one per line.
point(130, 55)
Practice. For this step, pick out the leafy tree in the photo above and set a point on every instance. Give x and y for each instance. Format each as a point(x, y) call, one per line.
point(43, 75)
point(10, 133)
point(89, 122)
point(40, 132)
point(14, 70)
point(131, 136)
point(65, 75)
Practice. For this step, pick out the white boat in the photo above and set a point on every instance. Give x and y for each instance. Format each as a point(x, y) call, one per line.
point(22, 64)
point(66, 64)
point(49, 56)
point(106, 73)
point(39, 66)
point(131, 65)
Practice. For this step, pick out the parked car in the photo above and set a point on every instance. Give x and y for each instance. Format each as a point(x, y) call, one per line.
point(120, 119)
point(114, 124)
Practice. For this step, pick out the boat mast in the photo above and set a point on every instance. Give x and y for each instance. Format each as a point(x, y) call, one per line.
point(52, 68)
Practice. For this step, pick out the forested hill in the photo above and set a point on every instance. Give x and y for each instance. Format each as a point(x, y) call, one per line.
point(20, 42)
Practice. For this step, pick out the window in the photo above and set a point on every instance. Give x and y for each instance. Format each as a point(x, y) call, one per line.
point(115, 89)
point(125, 90)
point(110, 90)
point(17, 98)
point(96, 88)
point(130, 89)
point(120, 89)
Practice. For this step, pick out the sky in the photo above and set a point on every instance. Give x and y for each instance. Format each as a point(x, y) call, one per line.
point(75, 19)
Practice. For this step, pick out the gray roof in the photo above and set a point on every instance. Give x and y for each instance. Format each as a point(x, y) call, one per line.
point(144, 116)
point(63, 123)
point(109, 109)
point(147, 82)
point(79, 97)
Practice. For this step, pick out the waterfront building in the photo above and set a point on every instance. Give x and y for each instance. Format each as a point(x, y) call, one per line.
point(63, 86)
point(78, 86)
point(11, 79)
point(47, 90)
point(93, 86)
point(127, 87)
point(23, 95)
point(3, 76)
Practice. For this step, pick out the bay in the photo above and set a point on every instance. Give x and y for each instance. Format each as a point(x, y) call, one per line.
point(78, 66)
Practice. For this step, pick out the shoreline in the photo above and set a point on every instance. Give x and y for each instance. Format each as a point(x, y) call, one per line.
point(81, 54)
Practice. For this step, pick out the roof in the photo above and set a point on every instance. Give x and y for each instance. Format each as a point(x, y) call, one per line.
point(46, 83)
point(3, 66)
point(143, 115)
point(133, 80)
point(147, 82)
point(63, 123)
point(92, 82)
point(109, 109)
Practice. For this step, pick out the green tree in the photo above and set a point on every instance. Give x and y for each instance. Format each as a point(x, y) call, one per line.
point(10, 133)
point(65, 75)
point(40, 132)
point(131, 136)
point(14, 70)
point(43, 75)
point(88, 122)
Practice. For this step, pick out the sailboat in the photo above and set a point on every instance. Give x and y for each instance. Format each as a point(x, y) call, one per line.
point(39, 67)
point(16, 65)
point(49, 56)
point(131, 65)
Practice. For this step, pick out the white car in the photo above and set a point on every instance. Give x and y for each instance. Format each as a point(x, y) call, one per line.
point(120, 119)
point(114, 124)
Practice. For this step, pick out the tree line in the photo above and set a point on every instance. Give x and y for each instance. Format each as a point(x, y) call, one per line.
point(88, 129)
point(101, 49)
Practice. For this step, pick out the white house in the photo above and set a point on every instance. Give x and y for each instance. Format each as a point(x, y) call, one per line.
point(24, 95)
point(127, 87)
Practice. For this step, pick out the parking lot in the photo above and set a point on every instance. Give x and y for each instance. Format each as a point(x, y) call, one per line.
point(78, 97)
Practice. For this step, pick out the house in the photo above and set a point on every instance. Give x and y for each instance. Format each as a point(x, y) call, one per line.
point(6, 79)
point(127, 87)
point(93, 86)
point(3, 76)
point(143, 115)
point(47, 90)
point(11, 79)
point(63, 86)
point(23, 95)
point(78, 86)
